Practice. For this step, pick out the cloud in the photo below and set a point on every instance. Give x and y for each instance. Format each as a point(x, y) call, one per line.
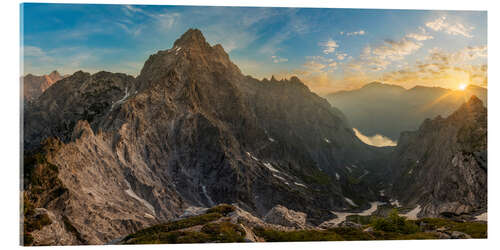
point(440, 24)
point(422, 36)
point(396, 50)
point(314, 67)
point(341, 56)
point(419, 37)
point(355, 33)
point(329, 46)
point(447, 69)
point(277, 59)
point(33, 51)
point(167, 20)
point(376, 140)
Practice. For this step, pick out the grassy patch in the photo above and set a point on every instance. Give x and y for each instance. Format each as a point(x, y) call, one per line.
point(474, 229)
point(212, 232)
point(224, 232)
point(395, 223)
point(300, 235)
point(223, 209)
point(151, 233)
point(349, 233)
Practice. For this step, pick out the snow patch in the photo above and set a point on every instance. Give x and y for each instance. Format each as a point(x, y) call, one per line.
point(132, 194)
point(395, 203)
point(253, 157)
point(364, 174)
point(204, 189)
point(300, 184)
point(412, 215)
point(270, 167)
point(127, 94)
point(341, 216)
point(279, 177)
point(350, 202)
point(482, 217)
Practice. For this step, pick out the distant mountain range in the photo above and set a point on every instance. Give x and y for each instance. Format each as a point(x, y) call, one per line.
point(34, 86)
point(388, 110)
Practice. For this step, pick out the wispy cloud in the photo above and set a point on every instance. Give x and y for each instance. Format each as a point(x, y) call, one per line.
point(341, 56)
point(354, 33)
point(329, 46)
point(441, 24)
point(422, 36)
point(277, 59)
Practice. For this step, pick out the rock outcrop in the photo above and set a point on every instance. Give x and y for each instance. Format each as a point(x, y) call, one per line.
point(442, 166)
point(280, 215)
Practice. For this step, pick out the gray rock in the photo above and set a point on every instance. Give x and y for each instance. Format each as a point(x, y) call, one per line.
point(280, 215)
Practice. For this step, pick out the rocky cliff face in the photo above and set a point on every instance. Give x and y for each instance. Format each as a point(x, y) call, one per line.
point(34, 86)
point(190, 130)
point(442, 167)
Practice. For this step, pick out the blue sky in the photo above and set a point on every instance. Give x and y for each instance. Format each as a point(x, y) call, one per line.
point(330, 49)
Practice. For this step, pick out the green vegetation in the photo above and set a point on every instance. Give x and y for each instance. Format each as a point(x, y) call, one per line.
point(213, 232)
point(474, 229)
point(395, 223)
point(224, 232)
point(271, 235)
point(223, 209)
point(213, 227)
point(359, 219)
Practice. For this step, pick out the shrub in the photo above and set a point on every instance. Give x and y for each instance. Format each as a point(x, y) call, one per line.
point(395, 223)
point(223, 209)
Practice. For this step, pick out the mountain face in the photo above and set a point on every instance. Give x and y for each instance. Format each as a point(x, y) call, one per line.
point(107, 154)
point(385, 109)
point(34, 86)
point(442, 167)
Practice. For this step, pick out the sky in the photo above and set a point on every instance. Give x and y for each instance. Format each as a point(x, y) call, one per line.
point(328, 49)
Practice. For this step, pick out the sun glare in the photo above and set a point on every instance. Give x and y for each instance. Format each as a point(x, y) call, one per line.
point(462, 86)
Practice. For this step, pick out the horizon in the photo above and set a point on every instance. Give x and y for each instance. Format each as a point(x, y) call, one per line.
point(432, 49)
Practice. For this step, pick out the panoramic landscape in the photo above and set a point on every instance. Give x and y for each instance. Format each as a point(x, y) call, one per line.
point(175, 124)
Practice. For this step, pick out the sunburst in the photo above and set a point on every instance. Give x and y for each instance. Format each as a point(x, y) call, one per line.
point(462, 86)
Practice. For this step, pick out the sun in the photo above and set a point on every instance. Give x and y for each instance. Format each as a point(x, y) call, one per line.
point(462, 86)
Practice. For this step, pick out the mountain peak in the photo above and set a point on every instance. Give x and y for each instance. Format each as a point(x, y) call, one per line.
point(191, 38)
point(474, 103)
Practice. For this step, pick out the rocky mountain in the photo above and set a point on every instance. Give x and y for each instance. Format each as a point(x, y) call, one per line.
point(107, 154)
point(385, 109)
point(441, 169)
point(34, 86)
